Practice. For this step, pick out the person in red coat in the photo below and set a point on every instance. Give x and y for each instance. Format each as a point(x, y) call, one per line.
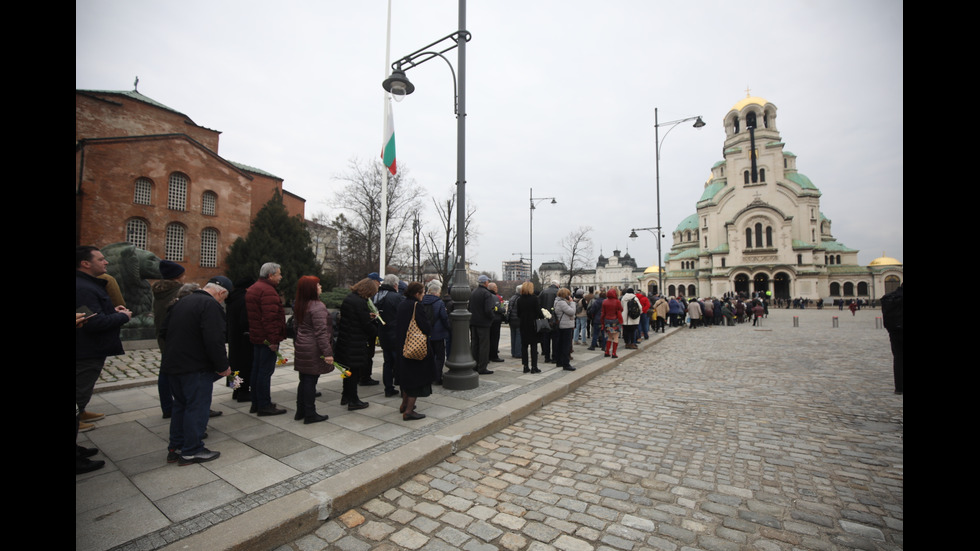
point(266, 329)
point(612, 321)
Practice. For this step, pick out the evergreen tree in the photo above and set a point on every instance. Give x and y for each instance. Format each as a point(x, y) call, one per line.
point(274, 237)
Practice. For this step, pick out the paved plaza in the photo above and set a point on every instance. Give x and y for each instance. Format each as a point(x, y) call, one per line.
point(771, 437)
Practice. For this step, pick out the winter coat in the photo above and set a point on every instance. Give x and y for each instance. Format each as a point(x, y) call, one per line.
point(413, 374)
point(612, 308)
point(482, 304)
point(194, 335)
point(661, 307)
point(99, 336)
point(627, 320)
point(357, 331)
point(694, 310)
point(313, 340)
point(528, 310)
point(439, 318)
point(565, 311)
point(266, 316)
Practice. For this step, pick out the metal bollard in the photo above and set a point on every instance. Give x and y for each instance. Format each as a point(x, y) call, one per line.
point(796, 321)
point(878, 322)
point(835, 322)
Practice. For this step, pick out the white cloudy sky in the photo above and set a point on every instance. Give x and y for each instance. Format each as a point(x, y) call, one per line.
point(560, 97)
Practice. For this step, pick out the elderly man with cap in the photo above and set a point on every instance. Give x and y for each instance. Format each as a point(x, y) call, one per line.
point(481, 306)
point(194, 357)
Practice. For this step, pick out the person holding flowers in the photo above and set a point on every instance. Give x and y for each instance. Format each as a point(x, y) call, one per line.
point(314, 355)
point(355, 341)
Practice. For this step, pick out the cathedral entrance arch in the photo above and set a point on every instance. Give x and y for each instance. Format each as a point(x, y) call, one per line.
point(760, 283)
point(781, 286)
point(742, 284)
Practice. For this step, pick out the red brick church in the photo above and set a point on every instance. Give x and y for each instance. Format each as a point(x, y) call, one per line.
point(147, 174)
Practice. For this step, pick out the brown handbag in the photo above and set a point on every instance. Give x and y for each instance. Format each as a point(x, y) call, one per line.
point(416, 342)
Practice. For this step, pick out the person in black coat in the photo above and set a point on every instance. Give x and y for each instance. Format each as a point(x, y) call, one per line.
point(414, 376)
point(529, 311)
point(355, 341)
point(239, 347)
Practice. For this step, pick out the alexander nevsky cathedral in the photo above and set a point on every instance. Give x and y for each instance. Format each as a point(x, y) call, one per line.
point(758, 227)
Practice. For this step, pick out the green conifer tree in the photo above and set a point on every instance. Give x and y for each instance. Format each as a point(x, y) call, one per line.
point(274, 237)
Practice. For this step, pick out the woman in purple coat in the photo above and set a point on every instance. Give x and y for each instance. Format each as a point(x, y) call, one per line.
point(314, 353)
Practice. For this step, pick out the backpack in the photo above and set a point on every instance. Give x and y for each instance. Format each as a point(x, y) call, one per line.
point(633, 308)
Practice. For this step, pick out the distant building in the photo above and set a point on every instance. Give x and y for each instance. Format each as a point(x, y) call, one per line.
point(615, 271)
point(147, 174)
point(516, 270)
point(758, 227)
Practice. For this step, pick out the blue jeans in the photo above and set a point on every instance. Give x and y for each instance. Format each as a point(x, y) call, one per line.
point(515, 340)
point(580, 333)
point(645, 325)
point(263, 366)
point(192, 406)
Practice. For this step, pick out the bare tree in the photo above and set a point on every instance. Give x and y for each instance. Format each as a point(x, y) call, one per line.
point(440, 244)
point(359, 221)
point(577, 247)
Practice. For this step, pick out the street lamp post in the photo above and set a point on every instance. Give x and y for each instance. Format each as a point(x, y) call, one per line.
point(660, 269)
point(698, 123)
point(531, 230)
point(460, 361)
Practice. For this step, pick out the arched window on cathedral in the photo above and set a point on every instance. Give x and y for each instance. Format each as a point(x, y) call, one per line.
point(863, 288)
point(750, 120)
point(765, 120)
point(735, 124)
point(748, 238)
point(746, 176)
point(762, 175)
point(758, 235)
point(838, 259)
point(769, 236)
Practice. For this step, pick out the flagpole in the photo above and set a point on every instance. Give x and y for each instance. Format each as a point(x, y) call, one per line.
point(384, 171)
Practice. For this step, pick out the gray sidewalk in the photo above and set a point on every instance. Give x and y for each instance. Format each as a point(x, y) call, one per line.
point(138, 501)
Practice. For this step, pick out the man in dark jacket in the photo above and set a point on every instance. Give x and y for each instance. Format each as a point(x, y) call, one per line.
point(99, 337)
point(193, 358)
point(387, 301)
point(482, 303)
point(266, 329)
point(893, 316)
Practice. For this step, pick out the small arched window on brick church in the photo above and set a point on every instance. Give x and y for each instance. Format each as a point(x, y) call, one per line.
point(209, 248)
point(143, 191)
point(175, 242)
point(136, 230)
point(209, 203)
point(177, 193)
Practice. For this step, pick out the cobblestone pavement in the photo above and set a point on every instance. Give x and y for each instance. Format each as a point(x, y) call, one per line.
point(771, 438)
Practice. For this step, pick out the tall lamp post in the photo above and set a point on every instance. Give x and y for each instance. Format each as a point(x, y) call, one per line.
point(531, 230)
point(460, 361)
point(698, 123)
point(660, 269)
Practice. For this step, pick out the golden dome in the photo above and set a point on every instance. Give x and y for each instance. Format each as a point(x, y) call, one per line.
point(652, 270)
point(885, 261)
point(746, 101)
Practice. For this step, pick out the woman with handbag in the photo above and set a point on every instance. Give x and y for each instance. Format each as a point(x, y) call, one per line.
point(528, 312)
point(416, 362)
point(314, 355)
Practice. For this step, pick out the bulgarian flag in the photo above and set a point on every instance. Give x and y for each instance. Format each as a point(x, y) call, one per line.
point(388, 149)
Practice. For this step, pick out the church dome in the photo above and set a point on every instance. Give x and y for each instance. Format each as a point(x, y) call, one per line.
point(652, 270)
point(749, 100)
point(885, 261)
